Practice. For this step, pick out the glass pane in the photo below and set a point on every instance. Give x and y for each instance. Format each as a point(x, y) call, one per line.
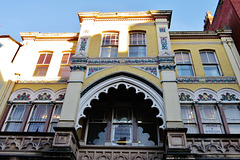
point(109, 52)
point(204, 57)
point(64, 71)
point(48, 59)
point(192, 128)
point(234, 128)
point(188, 114)
point(18, 113)
point(211, 57)
point(232, 113)
point(184, 70)
point(53, 125)
point(178, 58)
point(40, 113)
point(98, 115)
point(41, 58)
point(56, 113)
point(36, 127)
point(97, 134)
point(211, 70)
point(122, 134)
point(147, 135)
point(13, 127)
point(40, 71)
point(212, 128)
point(137, 51)
point(209, 114)
point(186, 58)
point(65, 59)
point(122, 115)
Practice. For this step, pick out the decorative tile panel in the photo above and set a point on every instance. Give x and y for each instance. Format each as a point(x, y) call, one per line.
point(229, 97)
point(195, 79)
point(83, 44)
point(185, 97)
point(43, 97)
point(149, 69)
point(206, 97)
point(162, 29)
point(23, 96)
point(92, 70)
point(164, 43)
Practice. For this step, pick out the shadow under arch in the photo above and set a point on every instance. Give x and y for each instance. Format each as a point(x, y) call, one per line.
point(129, 80)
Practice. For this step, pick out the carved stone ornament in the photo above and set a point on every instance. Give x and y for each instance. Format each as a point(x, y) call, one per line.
point(43, 97)
point(229, 97)
point(184, 97)
point(206, 97)
point(23, 96)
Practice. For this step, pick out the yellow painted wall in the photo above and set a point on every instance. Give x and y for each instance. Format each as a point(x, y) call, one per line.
point(196, 59)
point(35, 87)
point(124, 68)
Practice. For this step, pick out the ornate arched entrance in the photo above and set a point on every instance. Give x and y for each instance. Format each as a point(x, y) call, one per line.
point(131, 102)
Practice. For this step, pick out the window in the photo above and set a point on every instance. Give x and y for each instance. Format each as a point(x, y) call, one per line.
point(189, 119)
point(122, 126)
point(210, 63)
point(109, 45)
point(137, 44)
point(64, 70)
point(36, 118)
point(211, 120)
point(42, 64)
point(232, 114)
point(184, 64)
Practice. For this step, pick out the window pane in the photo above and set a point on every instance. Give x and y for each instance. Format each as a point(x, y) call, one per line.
point(65, 59)
point(147, 135)
point(36, 127)
point(41, 58)
point(209, 114)
point(122, 134)
point(188, 114)
point(204, 57)
point(211, 70)
point(18, 113)
point(232, 113)
point(211, 57)
point(13, 127)
point(40, 71)
point(40, 113)
point(109, 52)
point(64, 71)
point(234, 128)
point(122, 115)
point(184, 70)
point(48, 59)
point(178, 58)
point(97, 134)
point(186, 58)
point(137, 51)
point(56, 113)
point(212, 128)
point(192, 128)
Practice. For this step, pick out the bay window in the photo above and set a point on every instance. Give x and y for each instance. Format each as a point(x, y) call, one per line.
point(210, 63)
point(137, 44)
point(189, 118)
point(232, 114)
point(109, 46)
point(184, 63)
point(32, 118)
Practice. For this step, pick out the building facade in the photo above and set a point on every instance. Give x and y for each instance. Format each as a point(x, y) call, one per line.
point(227, 16)
point(125, 87)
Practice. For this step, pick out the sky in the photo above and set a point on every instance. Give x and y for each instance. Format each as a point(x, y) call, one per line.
point(54, 16)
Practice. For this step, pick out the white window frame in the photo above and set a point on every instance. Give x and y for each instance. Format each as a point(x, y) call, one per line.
point(137, 45)
point(190, 58)
point(106, 45)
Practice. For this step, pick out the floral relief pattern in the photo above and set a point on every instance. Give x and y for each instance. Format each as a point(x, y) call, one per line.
point(206, 97)
point(43, 97)
point(229, 97)
point(185, 97)
point(23, 96)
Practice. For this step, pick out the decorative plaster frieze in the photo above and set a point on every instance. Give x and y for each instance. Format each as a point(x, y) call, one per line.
point(42, 81)
point(153, 70)
point(123, 61)
point(195, 79)
point(93, 70)
point(81, 68)
point(167, 67)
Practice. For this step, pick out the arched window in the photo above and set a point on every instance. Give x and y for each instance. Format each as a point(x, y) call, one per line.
point(210, 63)
point(122, 117)
point(109, 46)
point(184, 63)
point(137, 44)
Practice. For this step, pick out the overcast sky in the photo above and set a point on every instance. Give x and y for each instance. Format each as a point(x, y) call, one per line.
point(49, 16)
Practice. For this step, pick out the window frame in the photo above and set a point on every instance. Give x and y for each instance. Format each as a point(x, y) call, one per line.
point(208, 64)
point(62, 71)
point(184, 64)
point(137, 45)
point(42, 64)
point(111, 46)
point(25, 123)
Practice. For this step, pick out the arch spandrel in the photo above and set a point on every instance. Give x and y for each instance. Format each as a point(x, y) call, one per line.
point(141, 85)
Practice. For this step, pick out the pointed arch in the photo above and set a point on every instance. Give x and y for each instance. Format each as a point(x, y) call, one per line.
point(102, 85)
